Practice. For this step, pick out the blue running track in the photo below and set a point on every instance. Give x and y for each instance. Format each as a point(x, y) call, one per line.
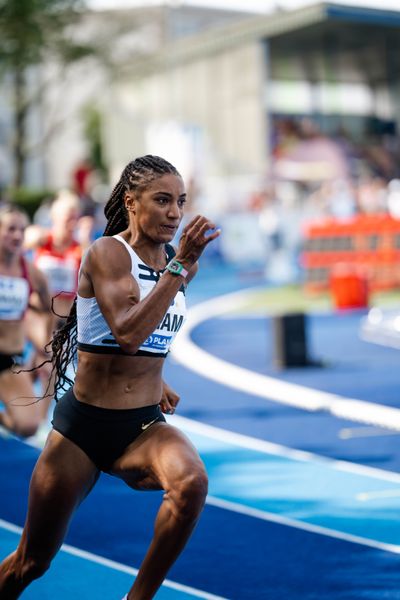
point(295, 511)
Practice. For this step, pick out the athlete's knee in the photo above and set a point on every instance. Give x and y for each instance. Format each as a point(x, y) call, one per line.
point(190, 492)
point(35, 567)
point(25, 568)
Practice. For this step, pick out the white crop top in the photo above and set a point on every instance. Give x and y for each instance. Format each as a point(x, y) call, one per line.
point(61, 273)
point(14, 295)
point(94, 334)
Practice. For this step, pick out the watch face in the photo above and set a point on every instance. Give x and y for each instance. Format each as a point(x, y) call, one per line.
point(174, 267)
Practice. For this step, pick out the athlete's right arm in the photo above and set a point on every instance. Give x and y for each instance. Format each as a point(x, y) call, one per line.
point(108, 266)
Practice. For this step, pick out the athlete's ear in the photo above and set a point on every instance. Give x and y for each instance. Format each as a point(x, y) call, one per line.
point(129, 201)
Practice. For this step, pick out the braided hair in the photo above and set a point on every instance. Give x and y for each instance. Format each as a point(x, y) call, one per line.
point(136, 176)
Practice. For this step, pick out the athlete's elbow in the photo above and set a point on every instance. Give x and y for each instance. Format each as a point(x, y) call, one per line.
point(127, 342)
point(130, 336)
point(129, 347)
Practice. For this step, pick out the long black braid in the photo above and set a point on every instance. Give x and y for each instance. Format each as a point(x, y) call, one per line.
point(136, 176)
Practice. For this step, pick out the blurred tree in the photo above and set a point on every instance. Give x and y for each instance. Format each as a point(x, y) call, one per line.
point(92, 132)
point(31, 31)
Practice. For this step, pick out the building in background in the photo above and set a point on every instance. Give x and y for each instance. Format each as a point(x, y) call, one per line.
point(56, 123)
point(222, 91)
point(273, 120)
point(227, 103)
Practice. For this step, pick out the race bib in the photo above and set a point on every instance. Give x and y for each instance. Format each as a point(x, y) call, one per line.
point(14, 296)
point(61, 273)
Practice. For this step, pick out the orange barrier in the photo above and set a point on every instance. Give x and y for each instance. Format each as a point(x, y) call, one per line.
point(369, 241)
point(349, 286)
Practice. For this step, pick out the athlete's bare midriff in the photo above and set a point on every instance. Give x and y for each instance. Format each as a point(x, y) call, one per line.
point(12, 337)
point(115, 381)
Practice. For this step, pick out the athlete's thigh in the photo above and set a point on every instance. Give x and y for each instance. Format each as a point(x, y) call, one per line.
point(157, 458)
point(18, 396)
point(62, 478)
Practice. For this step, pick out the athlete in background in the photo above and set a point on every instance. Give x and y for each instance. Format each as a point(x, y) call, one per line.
point(20, 283)
point(57, 253)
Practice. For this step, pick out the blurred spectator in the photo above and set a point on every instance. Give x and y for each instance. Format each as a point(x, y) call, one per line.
point(85, 180)
point(312, 157)
point(81, 178)
point(270, 222)
point(341, 202)
point(393, 198)
point(285, 137)
point(379, 160)
point(350, 151)
point(372, 195)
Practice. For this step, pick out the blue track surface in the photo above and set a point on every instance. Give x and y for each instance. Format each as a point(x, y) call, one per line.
point(257, 538)
point(374, 369)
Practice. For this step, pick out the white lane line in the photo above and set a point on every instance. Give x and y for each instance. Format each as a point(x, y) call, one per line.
point(267, 516)
point(186, 352)
point(239, 440)
point(365, 496)
point(255, 444)
point(244, 441)
point(348, 433)
point(111, 564)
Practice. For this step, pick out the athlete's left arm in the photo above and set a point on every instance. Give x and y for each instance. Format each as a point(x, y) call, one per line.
point(192, 271)
point(40, 302)
point(169, 399)
point(40, 288)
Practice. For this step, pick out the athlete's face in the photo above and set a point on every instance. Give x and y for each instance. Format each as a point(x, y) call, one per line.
point(12, 231)
point(65, 219)
point(158, 209)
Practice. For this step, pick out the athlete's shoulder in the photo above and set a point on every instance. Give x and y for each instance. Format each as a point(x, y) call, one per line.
point(35, 277)
point(105, 244)
point(107, 253)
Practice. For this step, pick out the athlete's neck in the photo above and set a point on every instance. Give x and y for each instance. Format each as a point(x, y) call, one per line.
point(151, 253)
point(9, 260)
point(155, 258)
